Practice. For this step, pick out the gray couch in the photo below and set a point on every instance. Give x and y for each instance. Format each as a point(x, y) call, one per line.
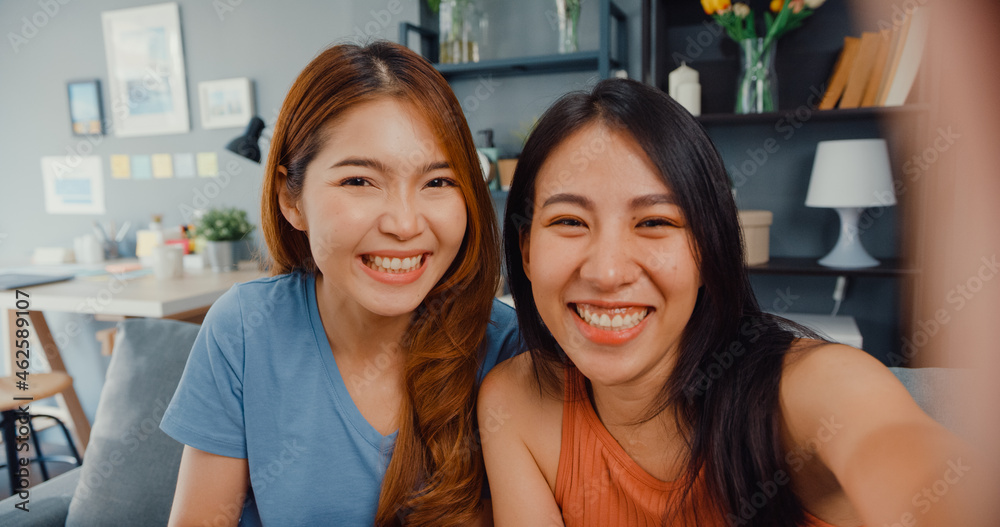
point(130, 468)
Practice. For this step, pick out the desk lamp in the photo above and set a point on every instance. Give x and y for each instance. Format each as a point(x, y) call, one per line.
point(246, 145)
point(850, 176)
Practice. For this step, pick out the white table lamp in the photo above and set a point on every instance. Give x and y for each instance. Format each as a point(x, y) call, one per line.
point(850, 176)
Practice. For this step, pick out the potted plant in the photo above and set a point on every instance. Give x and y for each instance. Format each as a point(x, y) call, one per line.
point(222, 228)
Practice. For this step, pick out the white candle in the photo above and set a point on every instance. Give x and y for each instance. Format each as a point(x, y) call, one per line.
point(689, 96)
point(682, 75)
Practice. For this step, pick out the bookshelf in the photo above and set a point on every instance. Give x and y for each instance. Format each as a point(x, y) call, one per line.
point(612, 52)
point(878, 296)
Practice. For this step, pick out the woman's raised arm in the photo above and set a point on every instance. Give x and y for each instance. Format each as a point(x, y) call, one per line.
point(884, 450)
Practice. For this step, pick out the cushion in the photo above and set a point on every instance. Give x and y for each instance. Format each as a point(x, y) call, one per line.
point(48, 503)
point(130, 468)
point(937, 391)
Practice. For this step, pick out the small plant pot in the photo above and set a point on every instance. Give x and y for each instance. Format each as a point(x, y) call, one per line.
point(221, 256)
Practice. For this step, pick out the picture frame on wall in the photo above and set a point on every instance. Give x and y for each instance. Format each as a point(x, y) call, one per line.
point(86, 113)
point(146, 78)
point(226, 103)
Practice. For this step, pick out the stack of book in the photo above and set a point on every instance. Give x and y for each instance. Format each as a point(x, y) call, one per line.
point(879, 68)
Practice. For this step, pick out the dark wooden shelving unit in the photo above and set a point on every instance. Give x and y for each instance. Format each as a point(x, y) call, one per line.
point(777, 177)
point(889, 267)
point(555, 63)
point(878, 112)
point(603, 60)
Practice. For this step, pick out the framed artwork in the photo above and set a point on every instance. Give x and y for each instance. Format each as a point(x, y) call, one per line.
point(86, 115)
point(146, 70)
point(226, 103)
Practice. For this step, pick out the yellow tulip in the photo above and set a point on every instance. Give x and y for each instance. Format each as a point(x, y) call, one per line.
point(714, 6)
point(776, 5)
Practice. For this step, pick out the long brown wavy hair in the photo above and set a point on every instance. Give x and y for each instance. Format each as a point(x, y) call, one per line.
point(435, 474)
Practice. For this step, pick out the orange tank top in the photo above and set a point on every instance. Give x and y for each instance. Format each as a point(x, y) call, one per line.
point(599, 485)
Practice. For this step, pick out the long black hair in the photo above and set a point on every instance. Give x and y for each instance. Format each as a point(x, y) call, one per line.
point(723, 389)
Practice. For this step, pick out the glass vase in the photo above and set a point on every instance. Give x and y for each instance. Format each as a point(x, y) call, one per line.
point(463, 26)
point(568, 13)
point(757, 88)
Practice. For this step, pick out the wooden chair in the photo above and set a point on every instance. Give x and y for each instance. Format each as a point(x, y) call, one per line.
point(17, 422)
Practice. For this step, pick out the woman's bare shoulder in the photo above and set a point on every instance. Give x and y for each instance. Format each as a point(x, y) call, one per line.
point(514, 408)
point(515, 381)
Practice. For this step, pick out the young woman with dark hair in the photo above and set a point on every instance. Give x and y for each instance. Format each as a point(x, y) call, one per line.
point(656, 392)
point(341, 390)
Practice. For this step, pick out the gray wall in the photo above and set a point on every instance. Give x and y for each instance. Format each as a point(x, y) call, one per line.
point(267, 41)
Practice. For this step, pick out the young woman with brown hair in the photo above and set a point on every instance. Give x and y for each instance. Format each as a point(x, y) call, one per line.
point(341, 390)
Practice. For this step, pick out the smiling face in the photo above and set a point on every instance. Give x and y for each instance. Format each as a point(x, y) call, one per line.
point(610, 258)
point(381, 207)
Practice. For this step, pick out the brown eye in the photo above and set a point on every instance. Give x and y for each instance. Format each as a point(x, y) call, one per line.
point(657, 222)
point(442, 182)
point(354, 182)
point(569, 222)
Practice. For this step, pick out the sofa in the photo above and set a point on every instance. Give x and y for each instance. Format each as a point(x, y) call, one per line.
point(130, 468)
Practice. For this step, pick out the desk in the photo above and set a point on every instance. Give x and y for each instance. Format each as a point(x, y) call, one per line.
point(187, 298)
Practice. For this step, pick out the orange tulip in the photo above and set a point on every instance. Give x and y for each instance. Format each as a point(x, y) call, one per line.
point(715, 6)
point(776, 5)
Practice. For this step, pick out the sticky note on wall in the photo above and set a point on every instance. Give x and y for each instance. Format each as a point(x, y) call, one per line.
point(142, 167)
point(208, 164)
point(163, 166)
point(120, 167)
point(184, 165)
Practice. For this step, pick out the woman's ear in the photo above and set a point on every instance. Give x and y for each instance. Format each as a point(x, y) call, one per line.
point(289, 205)
point(524, 239)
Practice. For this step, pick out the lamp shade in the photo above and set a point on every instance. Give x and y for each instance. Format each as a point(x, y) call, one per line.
point(246, 145)
point(851, 173)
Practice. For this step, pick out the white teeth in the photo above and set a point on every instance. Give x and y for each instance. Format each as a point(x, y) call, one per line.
point(392, 265)
point(620, 321)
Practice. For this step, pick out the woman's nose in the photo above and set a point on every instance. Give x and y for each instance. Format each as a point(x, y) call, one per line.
point(609, 264)
point(402, 217)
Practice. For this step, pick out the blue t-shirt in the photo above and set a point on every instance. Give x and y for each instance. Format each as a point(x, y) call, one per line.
point(262, 384)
